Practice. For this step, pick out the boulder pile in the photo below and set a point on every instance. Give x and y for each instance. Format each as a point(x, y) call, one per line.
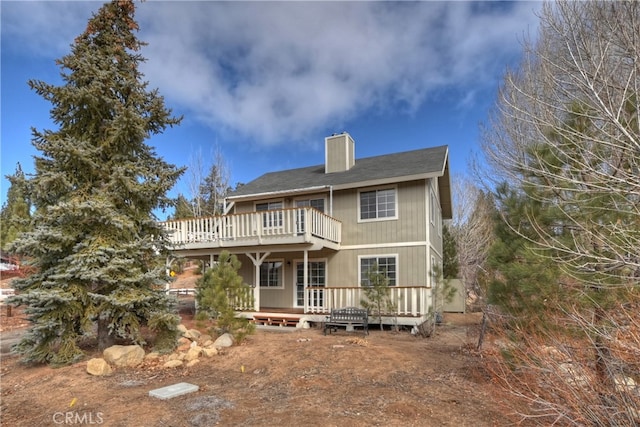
point(192, 346)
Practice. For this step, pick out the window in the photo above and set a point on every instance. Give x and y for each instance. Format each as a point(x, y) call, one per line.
point(271, 274)
point(386, 265)
point(314, 203)
point(378, 204)
point(270, 218)
point(433, 208)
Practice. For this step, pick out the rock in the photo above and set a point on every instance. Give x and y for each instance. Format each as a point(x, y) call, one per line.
point(124, 355)
point(182, 329)
point(204, 338)
point(224, 340)
point(192, 334)
point(210, 351)
point(172, 364)
point(193, 362)
point(152, 356)
point(98, 367)
point(207, 343)
point(184, 347)
point(193, 353)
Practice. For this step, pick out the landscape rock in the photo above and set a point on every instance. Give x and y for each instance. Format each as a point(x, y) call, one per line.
point(207, 343)
point(224, 340)
point(193, 353)
point(193, 362)
point(152, 356)
point(204, 338)
point(172, 364)
point(98, 367)
point(182, 329)
point(124, 355)
point(210, 351)
point(192, 334)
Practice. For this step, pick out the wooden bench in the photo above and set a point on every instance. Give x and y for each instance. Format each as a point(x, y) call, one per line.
point(348, 317)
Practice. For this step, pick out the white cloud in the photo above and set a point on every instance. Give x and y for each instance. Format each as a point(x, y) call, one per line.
point(270, 71)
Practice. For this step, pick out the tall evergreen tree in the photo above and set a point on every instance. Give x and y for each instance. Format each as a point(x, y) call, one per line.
point(450, 263)
point(15, 217)
point(96, 245)
point(183, 208)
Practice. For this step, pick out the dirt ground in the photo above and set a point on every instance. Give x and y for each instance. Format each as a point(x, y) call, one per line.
point(283, 377)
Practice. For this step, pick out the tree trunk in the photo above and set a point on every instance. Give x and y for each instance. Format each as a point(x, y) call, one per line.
point(105, 339)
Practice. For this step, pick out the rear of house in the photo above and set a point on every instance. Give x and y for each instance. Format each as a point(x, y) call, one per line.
point(307, 237)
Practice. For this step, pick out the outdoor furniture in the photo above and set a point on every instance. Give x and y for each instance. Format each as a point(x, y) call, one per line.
point(348, 317)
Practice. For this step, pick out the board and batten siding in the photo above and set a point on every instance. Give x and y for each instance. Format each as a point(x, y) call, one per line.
point(410, 225)
point(411, 269)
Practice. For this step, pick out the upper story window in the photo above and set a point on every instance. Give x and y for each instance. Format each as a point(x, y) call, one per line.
point(378, 204)
point(314, 203)
point(269, 206)
point(269, 218)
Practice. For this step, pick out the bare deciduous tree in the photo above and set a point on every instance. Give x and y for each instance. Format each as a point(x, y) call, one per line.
point(471, 228)
point(566, 129)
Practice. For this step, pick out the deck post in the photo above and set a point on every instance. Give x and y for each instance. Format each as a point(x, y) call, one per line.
point(257, 262)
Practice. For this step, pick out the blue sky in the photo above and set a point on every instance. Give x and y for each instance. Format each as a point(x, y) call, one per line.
point(266, 82)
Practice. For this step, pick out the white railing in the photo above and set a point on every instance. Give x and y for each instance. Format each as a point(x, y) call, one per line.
point(407, 300)
point(303, 221)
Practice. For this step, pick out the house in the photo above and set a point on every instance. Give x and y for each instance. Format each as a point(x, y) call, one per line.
point(338, 220)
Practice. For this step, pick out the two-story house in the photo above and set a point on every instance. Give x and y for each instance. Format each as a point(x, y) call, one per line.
point(307, 237)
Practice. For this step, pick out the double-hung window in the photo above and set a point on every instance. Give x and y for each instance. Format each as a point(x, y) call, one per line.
point(378, 204)
point(386, 265)
point(271, 274)
point(272, 216)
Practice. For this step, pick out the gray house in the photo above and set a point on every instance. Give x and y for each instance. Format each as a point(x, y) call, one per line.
point(307, 237)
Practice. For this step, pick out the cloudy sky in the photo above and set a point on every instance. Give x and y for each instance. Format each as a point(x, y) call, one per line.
point(266, 82)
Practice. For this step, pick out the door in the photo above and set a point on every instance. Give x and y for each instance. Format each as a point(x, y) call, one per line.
point(316, 272)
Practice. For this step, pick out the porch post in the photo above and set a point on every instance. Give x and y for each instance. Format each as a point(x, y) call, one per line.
point(305, 280)
point(257, 262)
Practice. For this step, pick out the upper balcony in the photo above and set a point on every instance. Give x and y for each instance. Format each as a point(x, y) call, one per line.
point(297, 226)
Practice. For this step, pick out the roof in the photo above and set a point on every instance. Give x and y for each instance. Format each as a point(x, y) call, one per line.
point(428, 161)
point(389, 168)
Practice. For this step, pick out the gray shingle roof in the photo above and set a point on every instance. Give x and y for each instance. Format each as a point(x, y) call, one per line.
point(427, 161)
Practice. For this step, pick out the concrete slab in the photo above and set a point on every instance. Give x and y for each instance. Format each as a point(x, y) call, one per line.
point(174, 390)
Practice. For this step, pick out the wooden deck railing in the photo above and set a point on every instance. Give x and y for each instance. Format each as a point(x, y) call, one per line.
point(305, 221)
point(407, 300)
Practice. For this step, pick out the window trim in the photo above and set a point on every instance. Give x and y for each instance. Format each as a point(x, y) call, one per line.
point(377, 256)
point(376, 189)
point(282, 273)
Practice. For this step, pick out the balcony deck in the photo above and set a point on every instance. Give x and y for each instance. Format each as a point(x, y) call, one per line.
point(301, 226)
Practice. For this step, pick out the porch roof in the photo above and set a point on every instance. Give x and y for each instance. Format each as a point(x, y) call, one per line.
point(389, 168)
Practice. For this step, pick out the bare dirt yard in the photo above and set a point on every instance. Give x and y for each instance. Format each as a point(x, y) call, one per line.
point(282, 377)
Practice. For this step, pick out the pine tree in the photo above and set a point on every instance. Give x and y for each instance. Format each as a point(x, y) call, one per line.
point(15, 217)
point(450, 264)
point(96, 244)
point(217, 289)
point(183, 209)
point(377, 294)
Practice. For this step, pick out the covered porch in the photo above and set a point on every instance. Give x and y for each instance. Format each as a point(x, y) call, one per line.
point(410, 305)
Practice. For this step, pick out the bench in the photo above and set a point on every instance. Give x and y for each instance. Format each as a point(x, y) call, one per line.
point(347, 317)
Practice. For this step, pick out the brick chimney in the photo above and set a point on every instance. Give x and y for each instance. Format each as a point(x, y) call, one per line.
point(339, 153)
